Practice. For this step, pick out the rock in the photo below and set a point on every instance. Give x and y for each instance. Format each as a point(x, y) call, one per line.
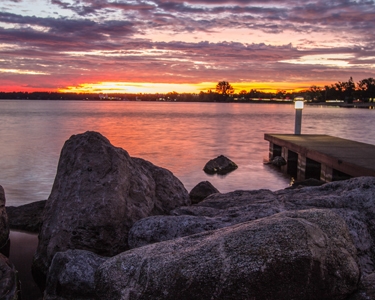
point(72, 275)
point(26, 217)
point(201, 191)
point(162, 228)
point(4, 225)
point(278, 161)
point(353, 200)
point(216, 211)
point(9, 283)
point(306, 182)
point(220, 165)
point(98, 193)
point(291, 255)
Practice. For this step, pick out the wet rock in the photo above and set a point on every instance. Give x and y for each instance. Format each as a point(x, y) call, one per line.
point(220, 165)
point(26, 217)
point(72, 275)
point(292, 255)
point(98, 193)
point(201, 191)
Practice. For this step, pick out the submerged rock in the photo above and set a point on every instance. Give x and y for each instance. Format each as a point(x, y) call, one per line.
point(278, 161)
point(220, 165)
point(201, 191)
point(291, 255)
point(98, 193)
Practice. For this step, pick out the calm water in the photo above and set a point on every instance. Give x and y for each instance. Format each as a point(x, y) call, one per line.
point(181, 137)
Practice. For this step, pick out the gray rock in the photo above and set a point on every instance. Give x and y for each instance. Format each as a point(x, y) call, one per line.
point(98, 193)
point(220, 165)
point(26, 217)
point(72, 275)
point(278, 161)
point(306, 182)
point(4, 225)
point(353, 200)
point(9, 283)
point(216, 211)
point(162, 228)
point(292, 255)
point(201, 191)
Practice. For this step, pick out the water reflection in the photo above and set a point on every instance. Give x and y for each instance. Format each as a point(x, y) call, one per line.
point(181, 137)
point(22, 249)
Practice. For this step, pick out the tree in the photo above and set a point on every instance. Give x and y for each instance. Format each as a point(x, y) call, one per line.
point(224, 88)
point(367, 88)
point(315, 93)
point(280, 94)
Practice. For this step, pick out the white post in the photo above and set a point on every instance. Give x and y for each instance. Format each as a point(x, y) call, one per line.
point(298, 105)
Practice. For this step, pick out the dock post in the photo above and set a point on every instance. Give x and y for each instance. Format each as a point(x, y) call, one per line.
point(298, 105)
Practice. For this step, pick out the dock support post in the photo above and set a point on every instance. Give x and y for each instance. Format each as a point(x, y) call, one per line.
point(298, 122)
point(326, 173)
point(298, 105)
point(301, 171)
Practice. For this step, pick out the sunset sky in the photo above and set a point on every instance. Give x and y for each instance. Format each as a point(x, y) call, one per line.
point(184, 46)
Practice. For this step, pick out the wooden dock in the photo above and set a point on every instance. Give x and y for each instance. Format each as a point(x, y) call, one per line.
point(322, 157)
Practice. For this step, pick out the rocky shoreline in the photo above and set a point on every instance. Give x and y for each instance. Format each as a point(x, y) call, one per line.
point(118, 227)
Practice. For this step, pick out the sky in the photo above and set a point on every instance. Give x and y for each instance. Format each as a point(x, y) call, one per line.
point(148, 46)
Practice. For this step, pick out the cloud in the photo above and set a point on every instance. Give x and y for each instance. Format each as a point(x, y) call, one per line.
point(243, 40)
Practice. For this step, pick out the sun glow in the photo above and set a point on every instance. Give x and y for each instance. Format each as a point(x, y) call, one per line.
point(135, 87)
point(154, 88)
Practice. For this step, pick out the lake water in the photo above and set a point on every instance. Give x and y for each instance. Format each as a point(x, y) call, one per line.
point(181, 137)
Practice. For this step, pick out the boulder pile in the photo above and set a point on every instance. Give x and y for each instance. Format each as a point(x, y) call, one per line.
point(117, 227)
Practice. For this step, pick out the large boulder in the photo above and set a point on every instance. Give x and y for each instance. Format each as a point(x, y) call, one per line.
point(220, 165)
point(202, 190)
point(98, 193)
point(26, 217)
point(353, 200)
point(292, 255)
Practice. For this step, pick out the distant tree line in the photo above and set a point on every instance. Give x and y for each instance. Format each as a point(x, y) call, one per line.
point(348, 91)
